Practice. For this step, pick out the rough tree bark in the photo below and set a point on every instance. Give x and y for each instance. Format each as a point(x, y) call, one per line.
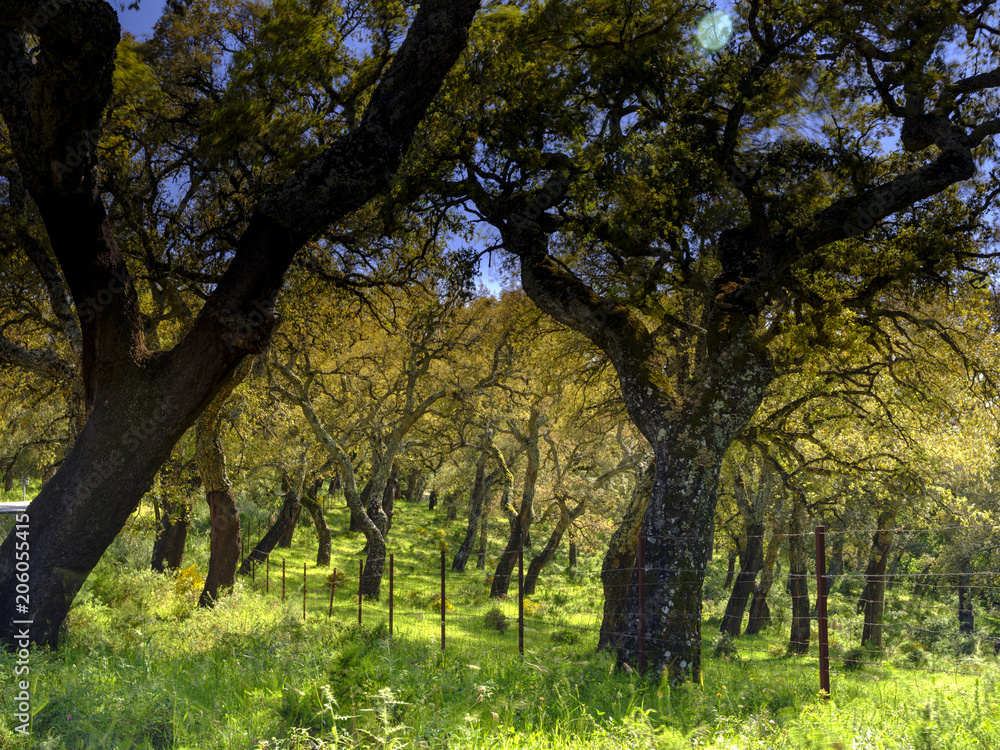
point(225, 540)
point(872, 601)
point(139, 402)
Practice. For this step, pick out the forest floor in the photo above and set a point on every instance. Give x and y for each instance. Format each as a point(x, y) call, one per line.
point(141, 667)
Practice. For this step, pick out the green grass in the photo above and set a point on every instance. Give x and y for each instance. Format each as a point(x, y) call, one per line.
point(141, 667)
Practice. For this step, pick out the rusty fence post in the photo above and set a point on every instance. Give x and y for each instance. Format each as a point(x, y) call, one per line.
point(267, 579)
point(443, 600)
point(821, 615)
point(391, 566)
point(282, 579)
point(303, 591)
point(333, 589)
point(520, 601)
point(361, 572)
point(640, 566)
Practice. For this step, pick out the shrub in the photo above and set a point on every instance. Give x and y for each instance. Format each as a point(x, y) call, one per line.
point(496, 620)
point(189, 582)
point(569, 637)
point(725, 647)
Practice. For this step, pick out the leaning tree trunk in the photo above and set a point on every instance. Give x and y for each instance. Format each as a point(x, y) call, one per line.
point(140, 402)
point(539, 561)
point(620, 559)
point(521, 523)
point(171, 534)
point(291, 506)
point(760, 611)
point(872, 601)
point(798, 580)
point(225, 540)
point(324, 543)
point(475, 509)
point(750, 564)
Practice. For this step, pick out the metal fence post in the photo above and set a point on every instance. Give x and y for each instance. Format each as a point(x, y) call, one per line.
point(640, 565)
point(361, 572)
point(282, 579)
point(442, 600)
point(303, 591)
point(391, 566)
point(821, 616)
point(520, 601)
point(333, 589)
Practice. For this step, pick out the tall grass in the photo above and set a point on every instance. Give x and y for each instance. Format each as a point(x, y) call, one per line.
point(142, 667)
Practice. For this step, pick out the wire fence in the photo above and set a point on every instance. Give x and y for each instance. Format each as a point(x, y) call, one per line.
point(922, 621)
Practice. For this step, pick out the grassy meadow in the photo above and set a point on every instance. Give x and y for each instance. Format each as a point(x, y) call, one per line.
point(142, 667)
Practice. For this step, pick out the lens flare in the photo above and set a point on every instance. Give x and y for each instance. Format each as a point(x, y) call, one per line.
point(714, 31)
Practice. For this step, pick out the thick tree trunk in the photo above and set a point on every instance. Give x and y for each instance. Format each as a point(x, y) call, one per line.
point(287, 536)
point(750, 564)
point(798, 581)
point(620, 559)
point(171, 534)
point(475, 509)
point(872, 601)
point(760, 611)
point(521, 523)
point(566, 518)
point(287, 516)
point(226, 544)
point(140, 402)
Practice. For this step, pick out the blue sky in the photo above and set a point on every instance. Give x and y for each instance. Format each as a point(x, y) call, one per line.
point(139, 22)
